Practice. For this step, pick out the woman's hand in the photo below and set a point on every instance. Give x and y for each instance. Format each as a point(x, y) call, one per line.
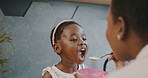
point(119, 64)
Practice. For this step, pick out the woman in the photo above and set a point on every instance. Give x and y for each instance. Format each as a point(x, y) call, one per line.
point(127, 34)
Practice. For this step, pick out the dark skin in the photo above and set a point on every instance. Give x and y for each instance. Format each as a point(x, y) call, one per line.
point(129, 44)
point(72, 41)
point(47, 75)
point(124, 49)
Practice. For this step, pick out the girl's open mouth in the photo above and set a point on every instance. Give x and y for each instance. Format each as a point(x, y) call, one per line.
point(81, 54)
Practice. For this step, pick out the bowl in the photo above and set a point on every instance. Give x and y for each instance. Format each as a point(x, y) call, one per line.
point(92, 73)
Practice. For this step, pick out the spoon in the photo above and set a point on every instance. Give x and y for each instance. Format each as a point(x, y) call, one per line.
point(98, 58)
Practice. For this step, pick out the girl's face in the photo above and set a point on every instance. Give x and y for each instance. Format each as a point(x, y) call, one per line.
point(74, 44)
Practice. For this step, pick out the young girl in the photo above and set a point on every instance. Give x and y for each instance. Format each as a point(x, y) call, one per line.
point(69, 42)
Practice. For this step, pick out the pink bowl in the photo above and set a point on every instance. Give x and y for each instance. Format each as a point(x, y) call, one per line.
point(92, 73)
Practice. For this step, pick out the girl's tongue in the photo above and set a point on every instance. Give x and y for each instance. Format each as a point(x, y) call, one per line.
point(81, 56)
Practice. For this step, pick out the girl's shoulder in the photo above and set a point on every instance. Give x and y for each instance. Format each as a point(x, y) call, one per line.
point(47, 75)
point(48, 71)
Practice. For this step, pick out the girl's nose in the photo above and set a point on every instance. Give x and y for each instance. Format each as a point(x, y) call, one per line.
point(81, 42)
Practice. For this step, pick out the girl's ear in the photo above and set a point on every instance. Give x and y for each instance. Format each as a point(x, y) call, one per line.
point(57, 48)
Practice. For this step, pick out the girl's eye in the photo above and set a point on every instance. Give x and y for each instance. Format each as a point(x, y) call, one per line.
point(84, 39)
point(74, 39)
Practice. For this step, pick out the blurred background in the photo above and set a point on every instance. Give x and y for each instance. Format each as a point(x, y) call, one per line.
point(30, 23)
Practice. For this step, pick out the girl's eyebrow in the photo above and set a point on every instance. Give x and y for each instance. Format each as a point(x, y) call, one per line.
point(76, 34)
point(73, 34)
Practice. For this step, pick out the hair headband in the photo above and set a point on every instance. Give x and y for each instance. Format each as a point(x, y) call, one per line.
point(53, 35)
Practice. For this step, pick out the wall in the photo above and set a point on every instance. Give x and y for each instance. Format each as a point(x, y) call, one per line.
point(31, 36)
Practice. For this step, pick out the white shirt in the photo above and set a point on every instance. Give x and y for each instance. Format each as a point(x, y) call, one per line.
point(137, 69)
point(56, 73)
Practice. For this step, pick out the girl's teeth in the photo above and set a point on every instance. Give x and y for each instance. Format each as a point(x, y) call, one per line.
point(82, 49)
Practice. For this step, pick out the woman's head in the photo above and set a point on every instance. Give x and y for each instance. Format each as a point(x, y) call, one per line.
point(127, 25)
point(69, 41)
